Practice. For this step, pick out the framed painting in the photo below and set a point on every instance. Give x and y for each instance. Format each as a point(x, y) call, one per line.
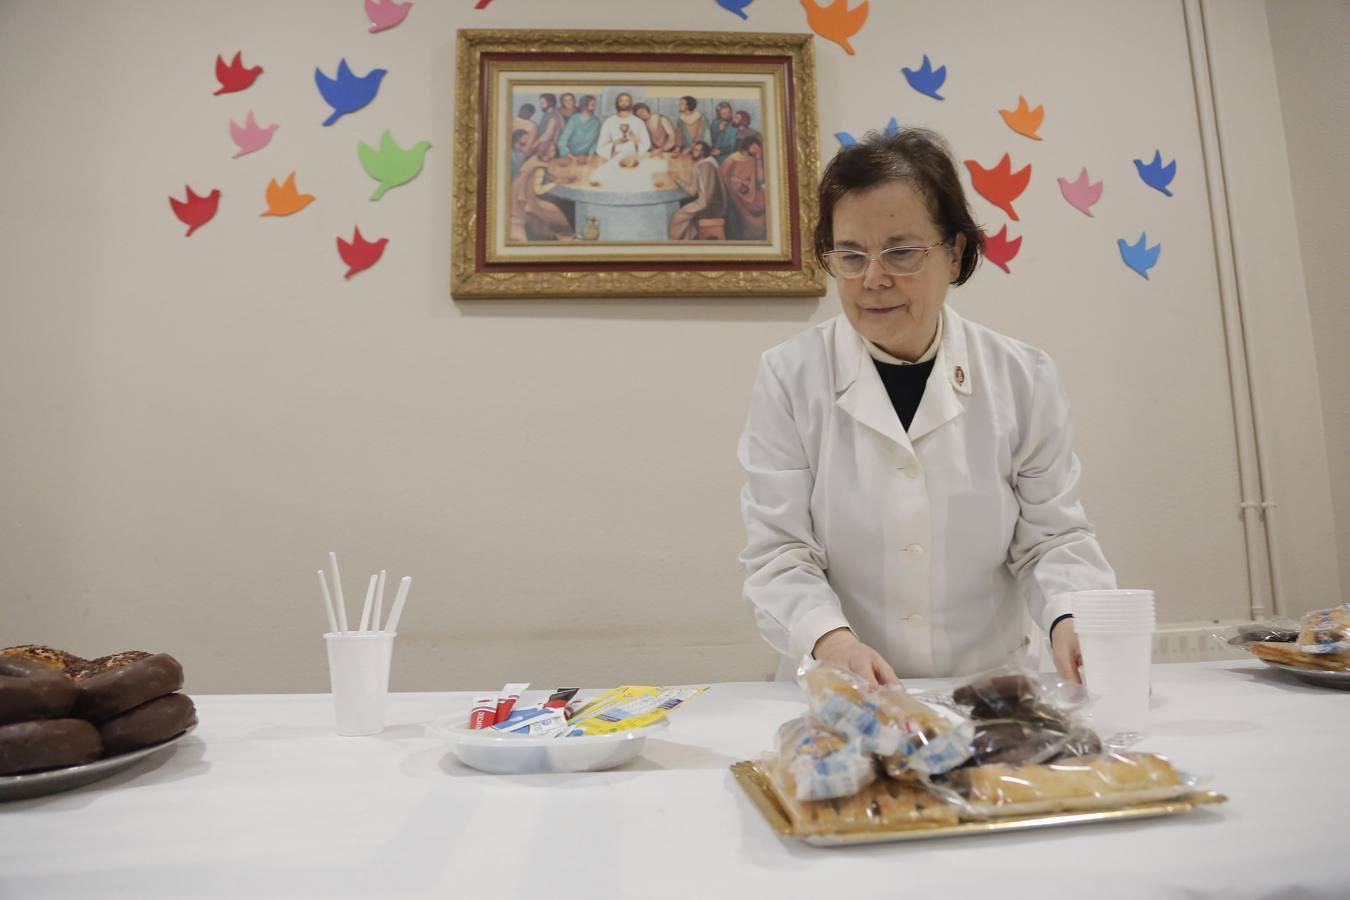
point(620, 163)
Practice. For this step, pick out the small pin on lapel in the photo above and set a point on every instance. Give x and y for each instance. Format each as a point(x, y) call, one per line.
point(960, 375)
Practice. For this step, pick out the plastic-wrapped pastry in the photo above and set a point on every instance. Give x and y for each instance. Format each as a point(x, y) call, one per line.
point(932, 743)
point(839, 701)
point(884, 804)
point(814, 763)
point(1325, 631)
point(1087, 782)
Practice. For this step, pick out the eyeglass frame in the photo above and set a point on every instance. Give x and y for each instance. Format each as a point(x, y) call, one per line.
point(877, 257)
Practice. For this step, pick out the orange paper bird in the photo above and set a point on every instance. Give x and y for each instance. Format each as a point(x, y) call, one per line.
point(360, 254)
point(1000, 185)
point(836, 22)
point(284, 199)
point(1022, 120)
point(194, 212)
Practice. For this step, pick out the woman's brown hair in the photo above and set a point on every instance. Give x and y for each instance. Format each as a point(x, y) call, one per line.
point(913, 155)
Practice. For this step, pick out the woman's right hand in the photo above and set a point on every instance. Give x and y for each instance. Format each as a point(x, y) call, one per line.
point(842, 648)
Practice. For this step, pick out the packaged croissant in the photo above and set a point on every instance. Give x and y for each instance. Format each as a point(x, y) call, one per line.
point(933, 741)
point(1325, 631)
point(840, 701)
point(815, 763)
point(1107, 780)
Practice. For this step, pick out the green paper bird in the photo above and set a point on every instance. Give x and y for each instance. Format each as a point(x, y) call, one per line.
point(391, 165)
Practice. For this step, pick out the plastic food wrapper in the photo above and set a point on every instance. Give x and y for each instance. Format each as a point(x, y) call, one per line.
point(1279, 630)
point(934, 741)
point(880, 803)
point(1012, 693)
point(626, 708)
point(839, 700)
point(814, 763)
point(1325, 631)
point(1088, 782)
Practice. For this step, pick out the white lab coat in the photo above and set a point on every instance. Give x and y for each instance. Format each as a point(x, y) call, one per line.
point(920, 542)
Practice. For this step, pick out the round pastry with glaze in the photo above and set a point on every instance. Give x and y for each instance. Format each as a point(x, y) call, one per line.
point(33, 690)
point(120, 685)
point(149, 723)
point(47, 744)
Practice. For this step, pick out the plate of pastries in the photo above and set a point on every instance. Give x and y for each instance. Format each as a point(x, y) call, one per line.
point(1315, 649)
point(66, 721)
point(1007, 750)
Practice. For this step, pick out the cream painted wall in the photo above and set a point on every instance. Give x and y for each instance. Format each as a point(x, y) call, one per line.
point(1310, 38)
point(191, 424)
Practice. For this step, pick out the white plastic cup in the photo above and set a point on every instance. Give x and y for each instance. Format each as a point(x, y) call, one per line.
point(358, 670)
point(1116, 667)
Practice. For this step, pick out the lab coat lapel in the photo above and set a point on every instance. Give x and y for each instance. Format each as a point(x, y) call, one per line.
point(947, 384)
point(858, 388)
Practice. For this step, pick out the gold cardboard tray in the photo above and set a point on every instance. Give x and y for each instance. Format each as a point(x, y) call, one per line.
point(755, 782)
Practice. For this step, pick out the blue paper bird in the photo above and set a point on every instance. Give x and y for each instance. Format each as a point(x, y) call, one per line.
point(926, 80)
point(846, 139)
point(1155, 174)
point(1139, 256)
point(735, 6)
point(346, 93)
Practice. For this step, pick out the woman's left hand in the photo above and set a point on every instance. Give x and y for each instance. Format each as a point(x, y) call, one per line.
point(1064, 650)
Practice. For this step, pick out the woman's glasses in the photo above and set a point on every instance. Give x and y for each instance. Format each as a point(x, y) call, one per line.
point(897, 261)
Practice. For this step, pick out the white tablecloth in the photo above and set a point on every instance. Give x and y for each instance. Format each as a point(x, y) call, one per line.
point(263, 800)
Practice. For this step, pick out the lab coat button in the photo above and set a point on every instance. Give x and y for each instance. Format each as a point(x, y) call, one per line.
point(915, 549)
point(916, 619)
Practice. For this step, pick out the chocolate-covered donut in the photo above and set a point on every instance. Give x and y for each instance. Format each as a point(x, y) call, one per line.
point(147, 724)
point(47, 744)
point(103, 694)
point(33, 690)
point(997, 694)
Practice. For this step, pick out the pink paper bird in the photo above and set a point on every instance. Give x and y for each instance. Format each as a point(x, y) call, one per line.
point(1080, 194)
point(250, 137)
point(386, 13)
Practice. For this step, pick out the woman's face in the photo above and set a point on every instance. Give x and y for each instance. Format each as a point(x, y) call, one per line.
point(897, 313)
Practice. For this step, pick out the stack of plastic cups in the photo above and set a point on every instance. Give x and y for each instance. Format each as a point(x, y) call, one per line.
point(1115, 635)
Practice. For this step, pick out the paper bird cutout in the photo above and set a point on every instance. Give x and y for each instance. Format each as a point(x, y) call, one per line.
point(846, 139)
point(1081, 194)
point(385, 14)
point(1138, 256)
point(1000, 251)
point(250, 138)
point(481, 4)
point(284, 199)
point(360, 254)
point(391, 165)
point(1000, 185)
point(194, 212)
point(235, 77)
point(925, 79)
point(1024, 121)
point(735, 6)
point(1155, 174)
point(836, 22)
point(347, 93)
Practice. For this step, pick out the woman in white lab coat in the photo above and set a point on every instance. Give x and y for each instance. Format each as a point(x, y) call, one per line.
point(912, 495)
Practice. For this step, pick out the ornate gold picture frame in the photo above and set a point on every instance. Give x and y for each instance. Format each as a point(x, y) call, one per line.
point(620, 163)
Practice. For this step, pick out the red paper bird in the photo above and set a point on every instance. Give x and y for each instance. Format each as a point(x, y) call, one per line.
point(360, 254)
point(194, 212)
point(836, 22)
point(481, 4)
point(1000, 251)
point(235, 77)
point(1000, 185)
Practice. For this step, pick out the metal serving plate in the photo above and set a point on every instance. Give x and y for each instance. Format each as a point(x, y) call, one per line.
point(755, 782)
point(1321, 677)
point(38, 784)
